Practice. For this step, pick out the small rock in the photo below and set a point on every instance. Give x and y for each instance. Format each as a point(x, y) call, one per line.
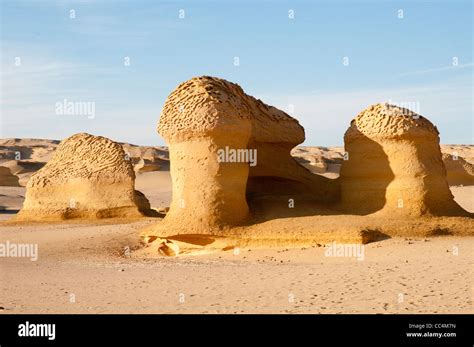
point(149, 239)
point(168, 248)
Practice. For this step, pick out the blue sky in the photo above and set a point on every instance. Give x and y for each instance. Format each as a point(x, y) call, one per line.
point(295, 63)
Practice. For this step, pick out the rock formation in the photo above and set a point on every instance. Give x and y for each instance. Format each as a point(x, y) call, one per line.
point(148, 165)
point(7, 178)
point(22, 166)
point(226, 147)
point(87, 177)
point(395, 165)
point(460, 172)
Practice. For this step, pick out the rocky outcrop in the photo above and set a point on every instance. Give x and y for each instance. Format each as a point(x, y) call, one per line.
point(7, 178)
point(460, 172)
point(88, 177)
point(226, 148)
point(395, 165)
point(22, 166)
point(149, 165)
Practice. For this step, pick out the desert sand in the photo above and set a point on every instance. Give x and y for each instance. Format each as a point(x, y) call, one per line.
point(382, 224)
point(398, 275)
point(88, 260)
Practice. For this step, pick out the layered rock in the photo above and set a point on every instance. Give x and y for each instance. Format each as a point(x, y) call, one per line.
point(87, 177)
point(395, 165)
point(460, 172)
point(7, 178)
point(206, 117)
point(149, 165)
point(22, 166)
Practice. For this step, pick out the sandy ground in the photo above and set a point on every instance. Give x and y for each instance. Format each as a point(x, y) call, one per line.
point(84, 268)
point(464, 196)
point(397, 275)
point(157, 186)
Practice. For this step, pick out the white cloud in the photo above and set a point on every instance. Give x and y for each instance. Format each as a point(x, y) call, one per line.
point(438, 69)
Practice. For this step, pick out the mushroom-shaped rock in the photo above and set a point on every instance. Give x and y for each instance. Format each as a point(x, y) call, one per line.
point(87, 177)
point(395, 165)
point(223, 144)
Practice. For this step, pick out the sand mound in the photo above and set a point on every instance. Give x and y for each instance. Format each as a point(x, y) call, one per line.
point(227, 147)
point(395, 165)
point(460, 172)
point(88, 177)
point(7, 178)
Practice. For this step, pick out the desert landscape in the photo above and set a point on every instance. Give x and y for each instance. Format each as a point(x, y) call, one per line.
point(234, 217)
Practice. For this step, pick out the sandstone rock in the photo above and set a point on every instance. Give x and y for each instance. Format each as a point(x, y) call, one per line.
point(168, 248)
point(23, 169)
point(460, 172)
point(314, 163)
point(7, 178)
point(22, 166)
point(205, 116)
point(147, 165)
point(395, 165)
point(87, 177)
point(145, 152)
point(34, 150)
